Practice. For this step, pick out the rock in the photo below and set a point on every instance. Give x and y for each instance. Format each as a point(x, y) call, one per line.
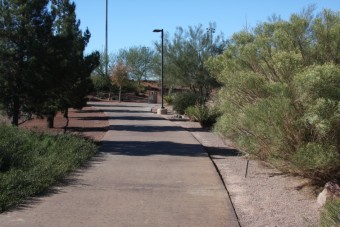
point(330, 191)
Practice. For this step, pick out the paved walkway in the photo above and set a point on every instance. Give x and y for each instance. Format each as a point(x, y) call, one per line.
point(149, 172)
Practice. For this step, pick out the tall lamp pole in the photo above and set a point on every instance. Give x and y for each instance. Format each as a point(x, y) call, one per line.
point(106, 45)
point(211, 30)
point(162, 110)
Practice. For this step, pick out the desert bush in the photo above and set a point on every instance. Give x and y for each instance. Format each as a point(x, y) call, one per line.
point(184, 100)
point(201, 113)
point(169, 99)
point(317, 160)
point(31, 162)
point(140, 89)
point(330, 216)
point(280, 99)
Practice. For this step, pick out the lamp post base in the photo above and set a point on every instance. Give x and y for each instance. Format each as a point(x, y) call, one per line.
point(162, 111)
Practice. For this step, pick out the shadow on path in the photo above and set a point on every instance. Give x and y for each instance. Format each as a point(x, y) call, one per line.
point(141, 128)
point(137, 148)
point(222, 152)
point(112, 105)
point(88, 129)
point(126, 111)
point(123, 118)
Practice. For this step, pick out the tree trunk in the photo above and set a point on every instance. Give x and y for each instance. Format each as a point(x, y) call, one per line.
point(67, 119)
point(15, 112)
point(110, 90)
point(120, 94)
point(66, 113)
point(50, 120)
point(15, 119)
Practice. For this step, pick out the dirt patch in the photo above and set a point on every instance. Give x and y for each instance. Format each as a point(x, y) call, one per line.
point(90, 122)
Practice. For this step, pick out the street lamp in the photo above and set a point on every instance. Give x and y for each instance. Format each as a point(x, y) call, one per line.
point(211, 31)
point(106, 34)
point(162, 110)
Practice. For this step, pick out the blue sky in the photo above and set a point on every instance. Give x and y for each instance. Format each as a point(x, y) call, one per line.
point(131, 21)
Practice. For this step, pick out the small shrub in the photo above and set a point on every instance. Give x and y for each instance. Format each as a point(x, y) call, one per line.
point(201, 113)
point(140, 89)
point(184, 100)
point(330, 216)
point(169, 99)
point(191, 113)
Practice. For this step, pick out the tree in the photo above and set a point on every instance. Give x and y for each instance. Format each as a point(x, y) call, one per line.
point(185, 57)
point(101, 81)
point(119, 76)
point(139, 61)
point(69, 80)
point(42, 64)
point(25, 32)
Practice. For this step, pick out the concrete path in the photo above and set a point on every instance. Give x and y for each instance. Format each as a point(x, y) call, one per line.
point(149, 172)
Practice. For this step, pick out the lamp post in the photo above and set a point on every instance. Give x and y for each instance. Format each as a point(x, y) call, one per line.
point(211, 31)
point(162, 110)
point(106, 45)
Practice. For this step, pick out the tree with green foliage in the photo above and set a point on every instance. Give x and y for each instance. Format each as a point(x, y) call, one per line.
point(185, 57)
point(101, 84)
point(42, 65)
point(280, 96)
point(25, 33)
point(139, 61)
point(69, 80)
point(101, 81)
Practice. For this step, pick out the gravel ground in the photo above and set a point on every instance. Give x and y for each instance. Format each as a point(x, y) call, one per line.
point(266, 197)
point(89, 122)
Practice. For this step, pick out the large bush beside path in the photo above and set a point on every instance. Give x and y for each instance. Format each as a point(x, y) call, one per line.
point(280, 99)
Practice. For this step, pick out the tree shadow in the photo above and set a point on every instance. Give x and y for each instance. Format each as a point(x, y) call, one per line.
point(112, 105)
point(88, 129)
point(89, 111)
point(197, 129)
point(123, 118)
point(138, 148)
point(136, 118)
point(125, 111)
point(222, 152)
point(142, 128)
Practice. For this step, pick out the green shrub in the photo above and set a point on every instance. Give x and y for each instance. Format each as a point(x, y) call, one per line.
point(317, 160)
point(184, 100)
point(169, 99)
point(201, 113)
point(330, 216)
point(140, 89)
point(281, 102)
point(31, 162)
